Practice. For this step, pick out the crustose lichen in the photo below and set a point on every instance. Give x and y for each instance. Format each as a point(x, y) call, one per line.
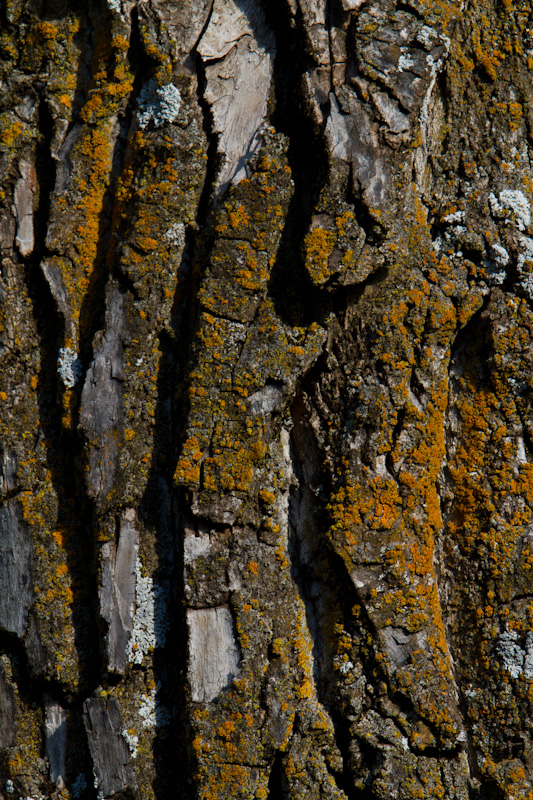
point(158, 104)
point(69, 367)
point(516, 661)
point(150, 623)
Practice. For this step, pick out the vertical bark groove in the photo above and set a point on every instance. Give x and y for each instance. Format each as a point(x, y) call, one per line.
point(266, 488)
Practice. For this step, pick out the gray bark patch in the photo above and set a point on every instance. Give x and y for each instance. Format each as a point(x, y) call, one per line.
point(24, 208)
point(236, 44)
point(213, 652)
point(15, 569)
point(55, 726)
point(400, 645)
point(7, 711)
point(117, 593)
point(109, 751)
point(8, 471)
point(102, 397)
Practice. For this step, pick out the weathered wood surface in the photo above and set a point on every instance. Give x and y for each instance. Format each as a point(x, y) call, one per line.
point(266, 472)
point(109, 750)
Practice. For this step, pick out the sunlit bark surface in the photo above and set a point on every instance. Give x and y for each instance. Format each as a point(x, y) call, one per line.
point(266, 369)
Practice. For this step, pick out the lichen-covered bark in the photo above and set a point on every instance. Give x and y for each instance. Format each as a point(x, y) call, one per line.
point(266, 440)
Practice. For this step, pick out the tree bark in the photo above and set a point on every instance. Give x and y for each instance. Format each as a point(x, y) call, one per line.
point(266, 440)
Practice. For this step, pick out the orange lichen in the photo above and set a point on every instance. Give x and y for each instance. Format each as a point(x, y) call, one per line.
point(319, 245)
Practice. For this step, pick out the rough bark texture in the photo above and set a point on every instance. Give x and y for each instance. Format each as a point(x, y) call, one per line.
point(266, 369)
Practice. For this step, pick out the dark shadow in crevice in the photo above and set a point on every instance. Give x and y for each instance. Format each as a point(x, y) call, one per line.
point(472, 349)
point(374, 230)
point(487, 789)
point(410, 8)
point(63, 447)
point(324, 585)
point(277, 789)
point(161, 511)
point(206, 203)
point(92, 312)
point(32, 686)
point(470, 359)
point(32, 692)
point(296, 300)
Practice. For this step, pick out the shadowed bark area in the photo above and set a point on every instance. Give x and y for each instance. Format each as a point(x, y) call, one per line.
point(266, 369)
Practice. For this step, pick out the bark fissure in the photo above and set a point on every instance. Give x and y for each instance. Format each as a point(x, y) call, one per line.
point(265, 369)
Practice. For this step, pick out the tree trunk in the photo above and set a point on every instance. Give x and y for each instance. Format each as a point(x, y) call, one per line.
point(266, 444)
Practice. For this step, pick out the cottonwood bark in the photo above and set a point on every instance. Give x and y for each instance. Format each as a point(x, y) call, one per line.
point(266, 441)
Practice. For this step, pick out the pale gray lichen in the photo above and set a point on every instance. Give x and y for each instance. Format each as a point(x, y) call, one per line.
point(150, 623)
point(457, 216)
point(450, 239)
point(152, 713)
point(434, 66)
point(495, 207)
point(405, 62)
point(132, 741)
point(499, 255)
point(345, 667)
point(525, 266)
point(526, 253)
point(158, 104)
point(438, 244)
point(69, 367)
point(512, 200)
point(495, 265)
point(517, 202)
point(427, 37)
point(176, 234)
point(116, 5)
point(147, 710)
point(515, 659)
point(528, 657)
point(527, 285)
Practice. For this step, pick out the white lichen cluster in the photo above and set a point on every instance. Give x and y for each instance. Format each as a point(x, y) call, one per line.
point(176, 234)
point(527, 285)
point(147, 710)
point(515, 659)
point(152, 713)
point(158, 104)
point(132, 741)
point(38, 797)
point(457, 216)
point(517, 201)
point(512, 200)
point(345, 667)
point(427, 37)
point(450, 238)
point(405, 62)
point(496, 264)
point(116, 5)
point(434, 66)
point(150, 623)
point(526, 253)
point(499, 255)
point(525, 265)
point(69, 367)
